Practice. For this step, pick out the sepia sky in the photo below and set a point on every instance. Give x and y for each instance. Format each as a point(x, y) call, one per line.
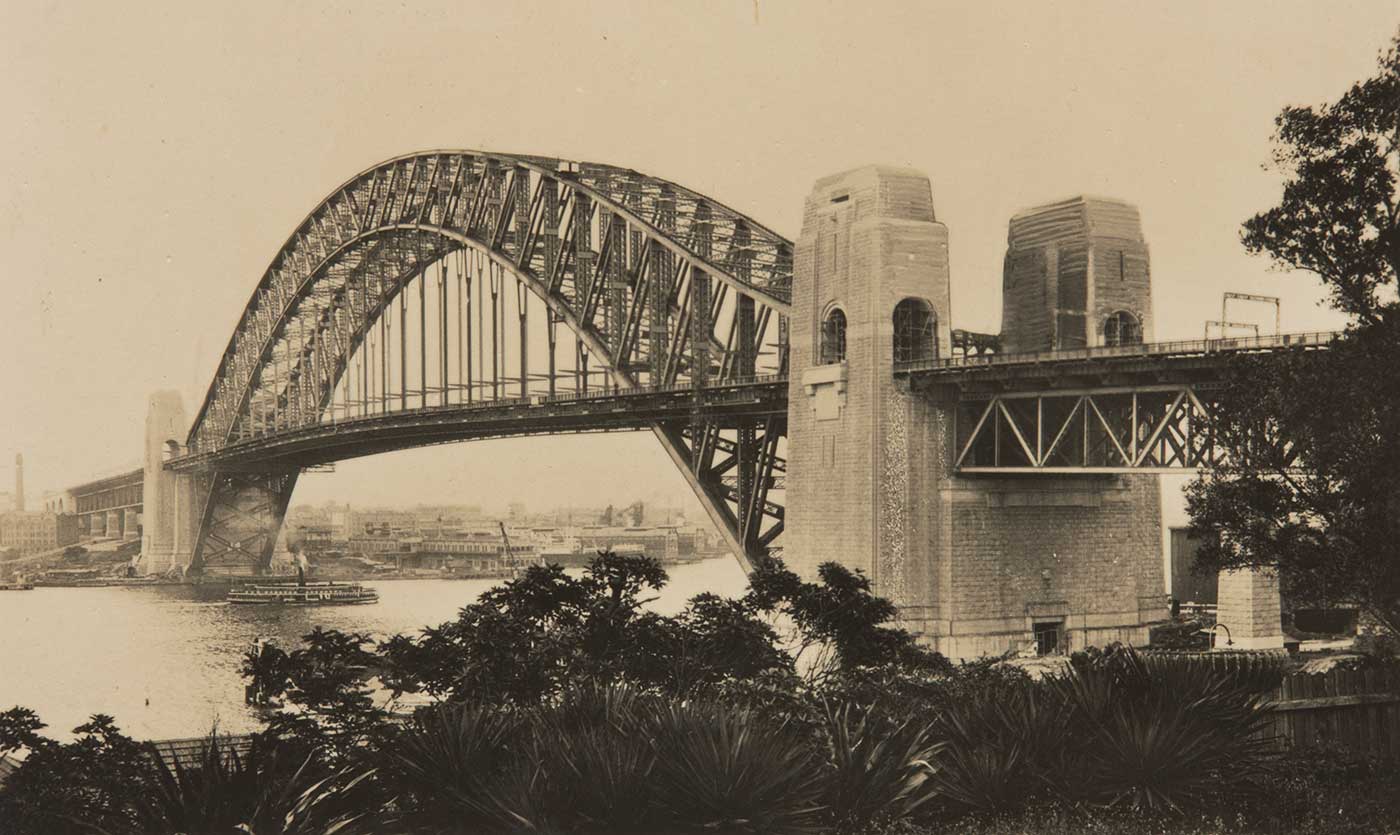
point(154, 157)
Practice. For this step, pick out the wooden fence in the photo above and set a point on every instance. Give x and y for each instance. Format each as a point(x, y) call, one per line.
point(1355, 709)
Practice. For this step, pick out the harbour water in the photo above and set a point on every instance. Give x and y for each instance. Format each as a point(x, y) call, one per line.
point(164, 660)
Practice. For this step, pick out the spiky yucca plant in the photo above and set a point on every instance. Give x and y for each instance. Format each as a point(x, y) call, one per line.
point(722, 769)
point(878, 772)
point(260, 794)
point(445, 766)
point(586, 766)
point(1002, 748)
point(1166, 733)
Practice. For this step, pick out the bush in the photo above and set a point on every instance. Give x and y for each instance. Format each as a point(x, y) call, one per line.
point(1163, 733)
point(585, 765)
point(1003, 749)
point(1378, 645)
point(722, 769)
point(878, 774)
point(444, 765)
point(107, 782)
point(1183, 635)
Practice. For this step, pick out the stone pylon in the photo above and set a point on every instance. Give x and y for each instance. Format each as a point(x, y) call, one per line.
point(169, 520)
point(871, 273)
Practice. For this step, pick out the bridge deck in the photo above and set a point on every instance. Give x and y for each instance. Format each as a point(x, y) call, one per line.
point(627, 409)
point(1195, 360)
point(1098, 369)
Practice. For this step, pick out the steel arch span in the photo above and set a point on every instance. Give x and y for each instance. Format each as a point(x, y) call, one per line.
point(430, 289)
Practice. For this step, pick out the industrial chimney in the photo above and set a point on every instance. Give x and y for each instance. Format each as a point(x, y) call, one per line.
point(19, 482)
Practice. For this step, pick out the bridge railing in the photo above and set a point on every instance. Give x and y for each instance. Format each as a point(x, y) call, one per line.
point(1187, 347)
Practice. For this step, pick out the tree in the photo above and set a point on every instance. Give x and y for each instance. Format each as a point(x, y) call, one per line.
point(81, 786)
point(1340, 213)
point(839, 614)
point(1311, 484)
point(522, 643)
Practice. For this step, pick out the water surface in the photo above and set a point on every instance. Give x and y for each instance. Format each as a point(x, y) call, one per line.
point(164, 660)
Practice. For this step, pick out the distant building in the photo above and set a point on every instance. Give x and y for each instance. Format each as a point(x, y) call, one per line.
point(476, 551)
point(375, 545)
point(358, 523)
point(662, 543)
point(33, 533)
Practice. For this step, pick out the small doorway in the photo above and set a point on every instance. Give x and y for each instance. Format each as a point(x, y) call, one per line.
point(1049, 637)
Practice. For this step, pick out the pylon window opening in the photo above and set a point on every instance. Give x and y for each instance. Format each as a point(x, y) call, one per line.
point(914, 323)
point(1122, 328)
point(833, 345)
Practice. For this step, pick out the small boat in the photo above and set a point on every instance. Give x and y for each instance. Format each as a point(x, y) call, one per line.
point(304, 594)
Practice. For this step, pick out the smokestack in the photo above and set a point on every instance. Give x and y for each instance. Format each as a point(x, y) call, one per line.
point(19, 482)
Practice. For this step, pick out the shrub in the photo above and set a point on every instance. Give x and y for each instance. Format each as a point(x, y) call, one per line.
point(897, 692)
point(107, 782)
point(1162, 733)
point(80, 786)
point(1003, 749)
point(878, 774)
point(586, 766)
point(444, 765)
point(1180, 635)
point(1378, 645)
point(259, 794)
point(721, 769)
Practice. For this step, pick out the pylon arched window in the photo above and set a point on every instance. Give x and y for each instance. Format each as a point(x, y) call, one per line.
point(833, 344)
point(1122, 328)
point(914, 325)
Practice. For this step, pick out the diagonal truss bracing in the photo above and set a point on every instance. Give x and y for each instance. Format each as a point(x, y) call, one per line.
point(1106, 429)
point(440, 279)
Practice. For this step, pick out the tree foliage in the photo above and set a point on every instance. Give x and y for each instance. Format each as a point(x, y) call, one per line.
point(1314, 486)
point(526, 640)
point(1311, 487)
point(1340, 214)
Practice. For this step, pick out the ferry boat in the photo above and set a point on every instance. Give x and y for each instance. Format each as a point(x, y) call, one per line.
point(16, 585)
point(302, 593)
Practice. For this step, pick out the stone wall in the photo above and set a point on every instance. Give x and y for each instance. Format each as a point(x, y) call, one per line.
point(972, 563)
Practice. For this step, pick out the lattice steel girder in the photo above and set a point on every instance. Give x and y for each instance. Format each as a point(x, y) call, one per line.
point(241, 518)
point(637, 409)
point(678, 289)
point(409, 190)
point(739, 502)
point(1148, 428)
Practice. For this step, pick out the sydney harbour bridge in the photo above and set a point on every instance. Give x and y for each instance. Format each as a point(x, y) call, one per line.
point(449, 296)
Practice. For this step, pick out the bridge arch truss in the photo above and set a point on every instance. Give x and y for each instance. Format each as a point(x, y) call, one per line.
point(437, 283)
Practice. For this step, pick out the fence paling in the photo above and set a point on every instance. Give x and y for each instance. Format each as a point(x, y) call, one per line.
point(1355, 709)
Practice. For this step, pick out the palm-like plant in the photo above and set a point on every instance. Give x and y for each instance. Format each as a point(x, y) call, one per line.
point(1166, 733)
point(1003, 748)
point(721, 769)
point(259, 794)
point(879, 773)
point(584, 766)
point(445, 766)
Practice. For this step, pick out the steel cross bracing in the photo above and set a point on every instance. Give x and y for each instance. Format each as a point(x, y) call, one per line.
point(236, 534)
point(1111, 409)
point(1146, 428)
point(440, 280)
